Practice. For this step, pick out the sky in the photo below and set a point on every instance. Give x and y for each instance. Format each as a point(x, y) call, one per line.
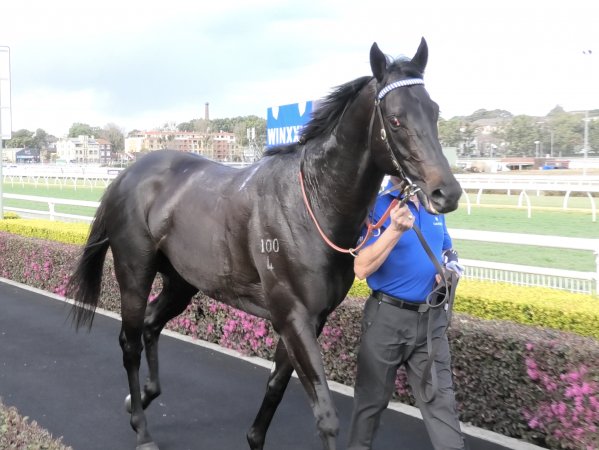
point(140, 65)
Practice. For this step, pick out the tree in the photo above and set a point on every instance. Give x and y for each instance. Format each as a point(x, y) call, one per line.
point(201, 125)
point(227, 124)
point(568, 133)
point(21, 139)
point(520, 135)
point(243, 124)
point(185, 126)
point(115, 135)
point(41, 139)
point(467, 133)
point(486, 114)
point(557, 110)
point(83, 129)
point(449, 132)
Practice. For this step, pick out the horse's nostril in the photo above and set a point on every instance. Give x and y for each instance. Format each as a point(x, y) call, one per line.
point(438, 195)
point(445, 200)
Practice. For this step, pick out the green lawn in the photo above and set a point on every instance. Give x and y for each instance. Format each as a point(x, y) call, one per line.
point(496, 213)
point(556, 222)
point(555, 258)
point(500, 213)
point(81, 193)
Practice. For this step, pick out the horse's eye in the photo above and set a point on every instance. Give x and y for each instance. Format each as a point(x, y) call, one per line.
point(394, 121)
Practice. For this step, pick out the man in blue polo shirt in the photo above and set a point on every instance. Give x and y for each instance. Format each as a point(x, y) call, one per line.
point(395, 324)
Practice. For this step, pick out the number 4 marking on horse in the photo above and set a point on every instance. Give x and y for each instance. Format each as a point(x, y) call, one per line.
point(269, 246)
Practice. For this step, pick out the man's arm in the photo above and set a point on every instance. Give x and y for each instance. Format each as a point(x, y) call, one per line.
point(373, 256)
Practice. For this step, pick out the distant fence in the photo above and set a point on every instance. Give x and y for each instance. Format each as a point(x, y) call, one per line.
point(525, 183)
point(50, 211)
point(568, 280)
point(62, 176)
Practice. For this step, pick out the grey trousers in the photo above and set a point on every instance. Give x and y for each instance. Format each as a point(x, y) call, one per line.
point(392, 337)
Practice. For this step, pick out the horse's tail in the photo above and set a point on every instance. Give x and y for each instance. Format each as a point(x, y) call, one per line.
point(85, 283)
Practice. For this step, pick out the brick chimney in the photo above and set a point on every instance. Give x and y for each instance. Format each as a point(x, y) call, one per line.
point(207, 111)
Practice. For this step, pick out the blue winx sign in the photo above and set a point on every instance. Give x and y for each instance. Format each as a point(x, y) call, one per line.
point(284, 123)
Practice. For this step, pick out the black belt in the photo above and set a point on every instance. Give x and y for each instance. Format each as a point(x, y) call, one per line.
point(397, 302)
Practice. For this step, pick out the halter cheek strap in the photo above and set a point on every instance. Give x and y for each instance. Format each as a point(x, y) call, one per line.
point(378, 112)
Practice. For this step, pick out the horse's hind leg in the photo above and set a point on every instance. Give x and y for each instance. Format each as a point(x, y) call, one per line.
point(277, 383)
point(176, 294)
point(134, 274)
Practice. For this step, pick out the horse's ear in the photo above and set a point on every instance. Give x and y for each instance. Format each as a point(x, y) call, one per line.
point(421, 56)
point(378, 62)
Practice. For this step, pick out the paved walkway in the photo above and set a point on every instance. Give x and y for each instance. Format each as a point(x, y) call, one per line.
point(73, 384)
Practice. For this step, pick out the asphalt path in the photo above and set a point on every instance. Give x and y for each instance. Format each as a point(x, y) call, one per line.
point(74, 385)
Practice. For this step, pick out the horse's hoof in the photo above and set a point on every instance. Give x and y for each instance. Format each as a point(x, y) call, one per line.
point(147, 446)
point(128, 407)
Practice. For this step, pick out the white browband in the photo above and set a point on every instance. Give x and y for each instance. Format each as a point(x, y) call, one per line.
point(397, 84)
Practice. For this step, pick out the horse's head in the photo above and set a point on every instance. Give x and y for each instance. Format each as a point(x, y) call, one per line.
point(404, 137)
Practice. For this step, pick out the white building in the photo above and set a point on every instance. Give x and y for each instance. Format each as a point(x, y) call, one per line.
point(83, 150)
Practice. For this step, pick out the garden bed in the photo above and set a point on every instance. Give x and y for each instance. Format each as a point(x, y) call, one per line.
point(536, 384)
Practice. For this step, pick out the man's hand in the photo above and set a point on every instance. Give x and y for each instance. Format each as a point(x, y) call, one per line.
point(401, 218)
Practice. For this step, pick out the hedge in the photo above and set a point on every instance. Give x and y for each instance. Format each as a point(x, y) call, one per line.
point(551, 308)
point(69, 233)
point(539, 385)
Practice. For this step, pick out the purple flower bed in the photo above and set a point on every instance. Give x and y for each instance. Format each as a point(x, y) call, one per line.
point(529, 383)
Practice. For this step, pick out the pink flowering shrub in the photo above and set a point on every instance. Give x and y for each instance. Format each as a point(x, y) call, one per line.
point(221, 324)
point(568, 415)
point(525, 382)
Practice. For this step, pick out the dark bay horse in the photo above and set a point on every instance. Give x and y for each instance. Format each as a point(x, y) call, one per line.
point(245, 237)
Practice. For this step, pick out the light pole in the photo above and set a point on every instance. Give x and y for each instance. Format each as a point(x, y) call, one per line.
point(5, 111)
point(537, 148)
point(585, 149)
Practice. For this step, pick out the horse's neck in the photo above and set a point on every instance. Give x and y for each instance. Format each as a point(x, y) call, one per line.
point(343, 168)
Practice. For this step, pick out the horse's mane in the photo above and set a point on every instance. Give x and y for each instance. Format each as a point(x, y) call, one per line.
point(331, 108)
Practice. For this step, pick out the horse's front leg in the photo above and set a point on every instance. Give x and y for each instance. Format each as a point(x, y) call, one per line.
point(299, 335)
point(277, 383)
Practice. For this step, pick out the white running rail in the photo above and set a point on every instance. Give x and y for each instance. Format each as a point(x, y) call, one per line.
point(523, 184)
point(569, 280)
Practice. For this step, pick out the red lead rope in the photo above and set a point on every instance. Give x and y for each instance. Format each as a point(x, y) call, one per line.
point(370, 226)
